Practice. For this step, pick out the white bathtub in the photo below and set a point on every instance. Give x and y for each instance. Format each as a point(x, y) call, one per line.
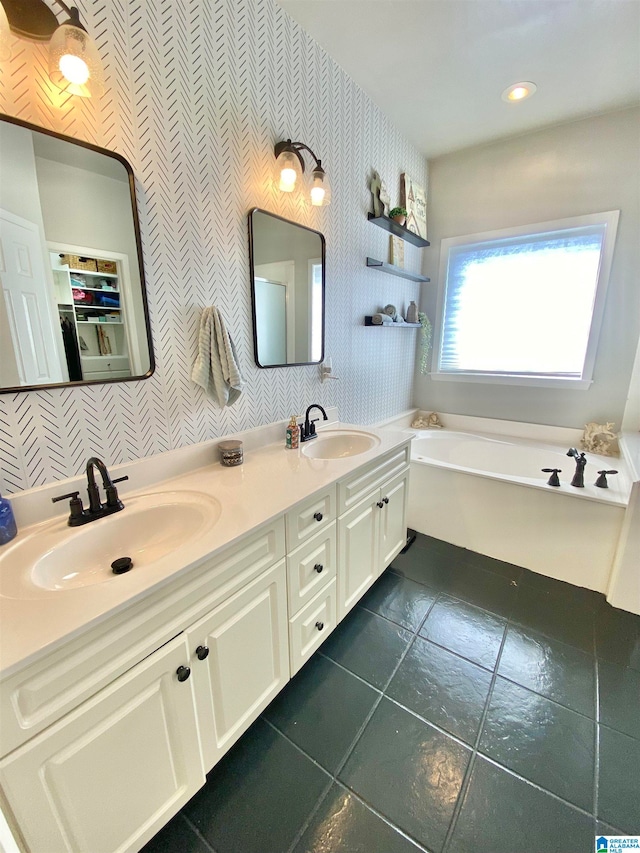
point(487, 493)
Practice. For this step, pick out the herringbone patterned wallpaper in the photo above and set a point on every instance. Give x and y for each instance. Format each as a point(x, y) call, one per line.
point(197, 93)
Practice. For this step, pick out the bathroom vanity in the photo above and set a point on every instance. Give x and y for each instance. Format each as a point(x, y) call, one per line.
point(118, 697)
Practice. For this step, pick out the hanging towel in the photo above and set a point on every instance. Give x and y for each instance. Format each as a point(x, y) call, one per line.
point(216, 367)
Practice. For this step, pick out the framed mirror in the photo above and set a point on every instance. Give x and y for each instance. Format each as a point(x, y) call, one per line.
point(73, 308)
point(287, 264)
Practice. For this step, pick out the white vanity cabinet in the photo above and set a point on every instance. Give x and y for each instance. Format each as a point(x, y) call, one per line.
point(107, 736)
point(311, 574)
point(110, 774)
point(373, 530)
point(239, 655)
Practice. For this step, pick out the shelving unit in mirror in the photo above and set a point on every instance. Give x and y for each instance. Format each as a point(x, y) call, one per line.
point(391, 269)
point(92, 317)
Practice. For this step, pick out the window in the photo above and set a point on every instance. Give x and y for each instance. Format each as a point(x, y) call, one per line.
point(524, 305)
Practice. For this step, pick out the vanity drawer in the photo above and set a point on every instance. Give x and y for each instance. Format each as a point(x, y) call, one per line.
point(310, 516)
point(311, 626)
point(42, 693)
point(368, 478)
point(310, 567)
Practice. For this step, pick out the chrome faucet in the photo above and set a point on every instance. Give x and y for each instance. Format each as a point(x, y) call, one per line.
point(308, 430)
point(581, 461)
point(78, 515)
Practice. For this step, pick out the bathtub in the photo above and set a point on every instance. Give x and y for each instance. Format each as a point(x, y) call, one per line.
point(487, 493)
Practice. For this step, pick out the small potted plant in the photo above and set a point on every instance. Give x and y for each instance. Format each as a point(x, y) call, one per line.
point(399, 215)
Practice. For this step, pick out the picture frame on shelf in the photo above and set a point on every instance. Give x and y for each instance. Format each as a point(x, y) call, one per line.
point(414, 199)
point(396, 251)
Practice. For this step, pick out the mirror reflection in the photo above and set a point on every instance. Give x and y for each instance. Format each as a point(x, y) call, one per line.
point(73, 306)
point(287, 275)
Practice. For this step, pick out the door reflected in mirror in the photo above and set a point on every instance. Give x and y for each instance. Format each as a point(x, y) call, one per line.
point(73, 307)
point(287, 264)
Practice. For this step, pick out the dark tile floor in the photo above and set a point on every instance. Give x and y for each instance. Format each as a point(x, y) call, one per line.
point(464, 705)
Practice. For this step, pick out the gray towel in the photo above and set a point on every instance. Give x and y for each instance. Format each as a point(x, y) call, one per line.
point(216, 367)
point(381, 319)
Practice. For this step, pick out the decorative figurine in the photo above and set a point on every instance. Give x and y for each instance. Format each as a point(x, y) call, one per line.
point(374, 186)
point(427, 421)
point(600, 438)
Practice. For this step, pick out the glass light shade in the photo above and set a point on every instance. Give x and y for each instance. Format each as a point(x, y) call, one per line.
point(74, 63)
point(5, 36)
point(320, 190)
point(288, 171)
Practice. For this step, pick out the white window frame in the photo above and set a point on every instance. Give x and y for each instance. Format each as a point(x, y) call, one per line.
point(610, 220)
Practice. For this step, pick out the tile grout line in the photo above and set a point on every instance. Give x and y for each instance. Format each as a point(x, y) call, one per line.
point(466, 782)
point(197, 832)
point(341, 764)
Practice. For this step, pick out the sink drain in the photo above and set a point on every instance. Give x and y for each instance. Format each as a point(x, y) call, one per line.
point(121, 565)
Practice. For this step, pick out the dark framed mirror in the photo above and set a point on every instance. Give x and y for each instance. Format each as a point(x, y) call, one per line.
point(287, 263)
point(73, 308)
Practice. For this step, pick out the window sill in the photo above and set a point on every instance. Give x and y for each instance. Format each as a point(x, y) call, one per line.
point(522, 381)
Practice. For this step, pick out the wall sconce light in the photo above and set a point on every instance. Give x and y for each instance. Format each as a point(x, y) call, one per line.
point(290, 167)
point(74, 63)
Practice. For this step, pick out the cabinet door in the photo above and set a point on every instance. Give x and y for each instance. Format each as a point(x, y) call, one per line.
point(110, 774)
point(358, 551)
point(393, 519)
point(247, 662)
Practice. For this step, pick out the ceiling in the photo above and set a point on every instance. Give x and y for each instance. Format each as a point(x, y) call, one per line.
point(437, 68)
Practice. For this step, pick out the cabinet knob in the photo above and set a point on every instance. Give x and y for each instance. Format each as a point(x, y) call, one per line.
point(202, 652)
point(183, 672)
point(380, 504)
point(385, 500)
point(319, 625)
point(317, 516)
point(318, 567)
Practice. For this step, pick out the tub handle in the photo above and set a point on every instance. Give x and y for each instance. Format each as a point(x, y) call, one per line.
point(553, 480)
point(601, 482)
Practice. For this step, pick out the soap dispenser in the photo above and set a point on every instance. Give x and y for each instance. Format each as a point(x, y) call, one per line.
point(8, 527)
point(293, 434)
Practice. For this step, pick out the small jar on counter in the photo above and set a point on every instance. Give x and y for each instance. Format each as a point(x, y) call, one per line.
point(231, 453)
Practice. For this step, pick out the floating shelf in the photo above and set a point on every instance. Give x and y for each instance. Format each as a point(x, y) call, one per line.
point(393, 270)
point(398, 230)
point(368, 321)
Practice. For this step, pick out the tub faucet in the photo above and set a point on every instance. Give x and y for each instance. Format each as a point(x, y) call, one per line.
point(308, 430)
point(581, 461)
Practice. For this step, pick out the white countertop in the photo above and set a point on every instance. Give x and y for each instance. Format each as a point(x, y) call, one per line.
point(270, 482)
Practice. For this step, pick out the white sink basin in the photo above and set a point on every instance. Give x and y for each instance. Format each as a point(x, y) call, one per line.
point(59, 558)
point(339, 444)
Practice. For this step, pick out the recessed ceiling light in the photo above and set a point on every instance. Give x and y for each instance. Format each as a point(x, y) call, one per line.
point(518, 92)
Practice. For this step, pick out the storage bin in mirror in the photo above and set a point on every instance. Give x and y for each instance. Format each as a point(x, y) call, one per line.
point(73, 308)
point(287, 264)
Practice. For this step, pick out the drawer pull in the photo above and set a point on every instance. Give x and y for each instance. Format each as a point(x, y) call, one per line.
point(385, 500)
point(318, 567)
point(317, 516)
point(380, 504)
point(183, 672)
point(319, 625)
point(202, 652)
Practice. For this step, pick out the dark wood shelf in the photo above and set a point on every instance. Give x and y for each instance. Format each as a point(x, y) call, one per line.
point(393, 270)
point(368, 321)
point(398, 230)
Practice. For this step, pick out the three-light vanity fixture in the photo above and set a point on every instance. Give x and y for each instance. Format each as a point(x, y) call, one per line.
point(74, 63)
point(290, 168)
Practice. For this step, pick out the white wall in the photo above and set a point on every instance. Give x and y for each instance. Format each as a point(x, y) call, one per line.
point(197, 116)
point(584, 167)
